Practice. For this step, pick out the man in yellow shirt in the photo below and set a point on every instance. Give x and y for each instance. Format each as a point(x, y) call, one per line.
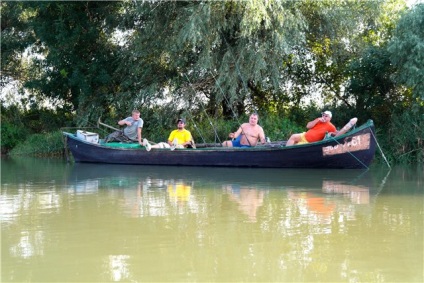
point(179, 138)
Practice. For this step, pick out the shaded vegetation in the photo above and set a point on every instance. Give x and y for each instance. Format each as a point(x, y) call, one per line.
point(49, 144)
point(213, 62)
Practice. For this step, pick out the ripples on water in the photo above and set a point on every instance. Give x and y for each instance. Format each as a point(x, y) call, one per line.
point(87, 222)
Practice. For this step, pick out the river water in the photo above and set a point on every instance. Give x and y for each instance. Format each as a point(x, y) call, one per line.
point(64, 222)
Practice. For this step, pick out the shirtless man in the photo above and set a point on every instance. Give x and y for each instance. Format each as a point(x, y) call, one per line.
point(247, 135)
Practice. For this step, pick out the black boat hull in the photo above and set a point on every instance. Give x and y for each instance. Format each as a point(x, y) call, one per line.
point(354, 150)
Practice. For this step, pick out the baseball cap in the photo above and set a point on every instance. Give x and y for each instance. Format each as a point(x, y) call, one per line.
point(181, 119)
point(327, 113)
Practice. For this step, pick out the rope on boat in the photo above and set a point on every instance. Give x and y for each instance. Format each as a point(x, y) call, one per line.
point(351, 154)
point(381, 151)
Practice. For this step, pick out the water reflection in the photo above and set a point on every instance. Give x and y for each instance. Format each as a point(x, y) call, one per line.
point(249, 200)
point(152, 191)
point(141, 223)
point(326, 207)
point(356, 194)
point(29, 244)
point(118, 267)
point(158, 197)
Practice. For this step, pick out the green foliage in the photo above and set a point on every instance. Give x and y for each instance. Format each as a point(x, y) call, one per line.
point(76, 61)
point(407, 49)
point(220, 47)
point(48, 144)
point(13, 130)
point(18, 124)
point(243, 56)
point(212, 62)
point(406, 135)
point(11, 135)
point(277, 127)
point(371, 86)
point(15, 38)
point(338, 32)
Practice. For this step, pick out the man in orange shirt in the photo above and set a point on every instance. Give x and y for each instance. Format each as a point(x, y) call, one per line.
point(317, 130)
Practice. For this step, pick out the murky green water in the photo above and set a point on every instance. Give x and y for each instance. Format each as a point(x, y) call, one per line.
point(102, 223)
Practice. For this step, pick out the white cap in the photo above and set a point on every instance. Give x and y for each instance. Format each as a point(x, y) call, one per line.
point(327, 113)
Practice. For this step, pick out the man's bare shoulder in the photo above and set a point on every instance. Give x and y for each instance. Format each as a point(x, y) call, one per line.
point(258, 128)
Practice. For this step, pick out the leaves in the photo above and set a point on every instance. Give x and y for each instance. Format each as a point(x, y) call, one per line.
point(214, 59)
point(407, 50)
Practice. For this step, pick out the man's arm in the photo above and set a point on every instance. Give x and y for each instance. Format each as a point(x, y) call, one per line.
point(312, 123)
point(189, 140)
point(124, 122)
point(236, 133)
point(171, 137)
point(139, 135)
point(262, 136)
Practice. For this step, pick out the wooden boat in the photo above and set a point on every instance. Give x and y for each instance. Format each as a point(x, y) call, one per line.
point(352, 150)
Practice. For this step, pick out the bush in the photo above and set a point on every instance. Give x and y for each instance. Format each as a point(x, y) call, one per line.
point(49, 144)
point(11, 135)
point(406, 136)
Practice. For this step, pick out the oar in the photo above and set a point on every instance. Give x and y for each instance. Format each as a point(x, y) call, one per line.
point(107, 126)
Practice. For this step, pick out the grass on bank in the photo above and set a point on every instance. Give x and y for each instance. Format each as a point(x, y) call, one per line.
point(43, 145)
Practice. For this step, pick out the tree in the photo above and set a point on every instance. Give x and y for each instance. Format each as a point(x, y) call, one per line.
point(75, 57)
point(407, 50)
point(15, 38)
point(371, 88)
point(248, 55)
point(239, 55)
point(223, 50)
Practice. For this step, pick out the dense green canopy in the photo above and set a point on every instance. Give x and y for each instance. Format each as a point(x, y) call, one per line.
point(216, 59)
point(407, 50)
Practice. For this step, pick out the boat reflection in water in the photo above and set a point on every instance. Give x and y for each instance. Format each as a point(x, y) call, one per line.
point(337, 198)
point(160, 191)
point(158, 197)
point(356, 194)
point(134, 221)
point(250, 199)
